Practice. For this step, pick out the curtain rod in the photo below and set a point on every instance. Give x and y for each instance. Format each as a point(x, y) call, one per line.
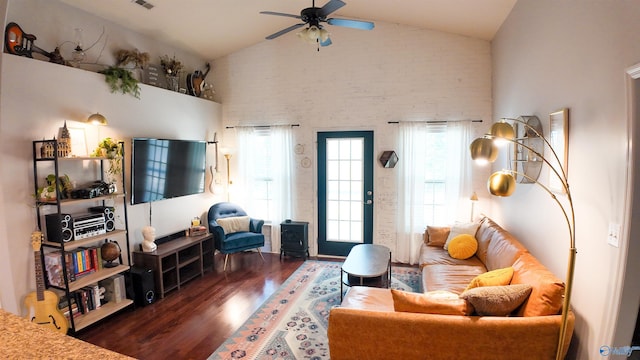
point(435, 121)
point(261, 126)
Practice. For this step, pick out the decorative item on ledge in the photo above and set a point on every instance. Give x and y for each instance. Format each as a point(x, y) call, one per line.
point(503, 183)
point(172, 69)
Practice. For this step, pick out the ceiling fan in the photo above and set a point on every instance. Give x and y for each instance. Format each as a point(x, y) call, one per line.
point(313, 17)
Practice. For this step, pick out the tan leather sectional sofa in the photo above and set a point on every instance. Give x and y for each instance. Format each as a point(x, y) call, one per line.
point(366, 326)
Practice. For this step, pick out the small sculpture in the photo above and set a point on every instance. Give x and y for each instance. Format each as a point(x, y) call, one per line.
point(149, 235)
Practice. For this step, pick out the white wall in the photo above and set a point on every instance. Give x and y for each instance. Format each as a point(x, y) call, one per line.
point(362, 81)
point(553, 54)
point(36, 97)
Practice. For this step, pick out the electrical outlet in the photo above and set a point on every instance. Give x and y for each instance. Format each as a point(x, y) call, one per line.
point(614, 235)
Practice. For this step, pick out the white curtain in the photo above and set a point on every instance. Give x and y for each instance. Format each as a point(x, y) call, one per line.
point(411, 181)
point(276, 163)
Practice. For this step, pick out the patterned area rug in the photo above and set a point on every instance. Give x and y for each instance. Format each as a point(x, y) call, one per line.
point(292, 323)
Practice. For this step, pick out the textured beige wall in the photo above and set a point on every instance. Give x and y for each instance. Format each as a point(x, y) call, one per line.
point(362, 81)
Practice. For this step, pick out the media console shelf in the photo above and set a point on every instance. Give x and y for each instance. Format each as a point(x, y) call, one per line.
point(177, 261)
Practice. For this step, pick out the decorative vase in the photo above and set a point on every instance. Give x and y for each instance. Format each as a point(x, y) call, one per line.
point(172, 83)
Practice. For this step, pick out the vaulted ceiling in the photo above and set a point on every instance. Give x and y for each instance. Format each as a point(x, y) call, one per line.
point(215, 28)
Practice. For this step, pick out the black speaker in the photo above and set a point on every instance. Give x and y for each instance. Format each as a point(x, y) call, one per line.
point(109, 215)
point(143, 286)
point(59, 227)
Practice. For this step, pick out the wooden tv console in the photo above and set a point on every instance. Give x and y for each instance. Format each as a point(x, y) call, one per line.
point(177, 261)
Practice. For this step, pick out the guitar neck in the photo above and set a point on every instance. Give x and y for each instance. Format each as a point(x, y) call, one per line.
point(39, 278)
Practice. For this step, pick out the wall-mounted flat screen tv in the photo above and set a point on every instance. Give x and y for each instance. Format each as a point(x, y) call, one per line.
point(164, 169)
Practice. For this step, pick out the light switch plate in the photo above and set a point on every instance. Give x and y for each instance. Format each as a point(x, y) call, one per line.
point(613, 235)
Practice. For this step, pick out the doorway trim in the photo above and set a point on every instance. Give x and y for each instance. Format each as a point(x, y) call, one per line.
point(625, 301)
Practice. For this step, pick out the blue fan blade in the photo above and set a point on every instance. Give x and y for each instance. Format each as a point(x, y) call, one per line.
point(330, 7)
point(284, 31)
point(354, 24)
point(326, 43)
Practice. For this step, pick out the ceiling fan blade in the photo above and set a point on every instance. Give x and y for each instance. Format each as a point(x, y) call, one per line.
point(284, 31)
point(279, 14)
point(330, 7)
point(354, 24)
point(326, 42)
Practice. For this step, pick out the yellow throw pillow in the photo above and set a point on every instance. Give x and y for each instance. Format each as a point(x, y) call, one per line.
point(432, 302)
point(497, 300)
point(234, 224)
point(463, 246)
point(498, 277)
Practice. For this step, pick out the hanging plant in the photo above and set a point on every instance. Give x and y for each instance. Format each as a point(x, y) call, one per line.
point(121, 80)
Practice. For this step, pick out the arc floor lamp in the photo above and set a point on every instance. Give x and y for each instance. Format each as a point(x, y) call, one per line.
point(503, 183)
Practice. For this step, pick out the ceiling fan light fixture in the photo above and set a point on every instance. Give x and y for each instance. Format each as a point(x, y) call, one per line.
point(313, 34)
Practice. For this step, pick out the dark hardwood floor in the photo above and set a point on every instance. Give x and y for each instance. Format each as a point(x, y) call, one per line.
point(191, 323)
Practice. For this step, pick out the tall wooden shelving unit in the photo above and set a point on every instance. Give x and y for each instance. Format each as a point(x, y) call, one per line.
point(52, 164)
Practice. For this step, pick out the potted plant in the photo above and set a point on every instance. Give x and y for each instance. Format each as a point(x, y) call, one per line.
point(112, 150)
point(122, 80)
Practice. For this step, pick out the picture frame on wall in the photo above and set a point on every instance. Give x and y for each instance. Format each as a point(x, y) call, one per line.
point(559, 141)
point(78, 142)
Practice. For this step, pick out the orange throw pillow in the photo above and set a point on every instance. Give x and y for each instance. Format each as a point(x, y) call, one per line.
point(432, 302)
point(436, 235)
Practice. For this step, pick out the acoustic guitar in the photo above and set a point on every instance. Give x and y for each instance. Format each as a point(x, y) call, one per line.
point(195, 81)
point(17, 42)
point(43, 304)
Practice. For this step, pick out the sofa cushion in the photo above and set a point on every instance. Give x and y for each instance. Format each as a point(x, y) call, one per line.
point(432, 302)
point(496, 277)
point(546, 289)
point(436, 235)
point(463, 246)
point(453, 278)
point(368, 298)
point(497, 300)
point(459, 229)
point(431, 255)
point(503, 250)
point(234, 224)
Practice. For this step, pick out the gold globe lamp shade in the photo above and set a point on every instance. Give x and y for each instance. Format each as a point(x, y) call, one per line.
point(501, 183)
point(503, 132)
point(483, 150)
point(97, 119)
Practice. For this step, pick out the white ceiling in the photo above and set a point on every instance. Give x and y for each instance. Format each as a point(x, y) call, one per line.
point(215, 28)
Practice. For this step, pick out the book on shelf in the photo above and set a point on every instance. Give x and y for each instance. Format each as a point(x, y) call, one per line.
point(80, 262)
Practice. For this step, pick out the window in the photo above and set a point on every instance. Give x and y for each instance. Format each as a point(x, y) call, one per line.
point(433, 173)
point(265, 158)
point(260, 179)
point(435, 187)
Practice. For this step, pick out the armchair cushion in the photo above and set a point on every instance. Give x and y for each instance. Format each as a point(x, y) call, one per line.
point(234, 224)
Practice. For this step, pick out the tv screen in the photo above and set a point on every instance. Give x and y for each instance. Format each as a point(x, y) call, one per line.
point(164, 169)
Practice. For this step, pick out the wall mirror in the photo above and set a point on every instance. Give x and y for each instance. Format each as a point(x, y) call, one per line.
point(523, 160)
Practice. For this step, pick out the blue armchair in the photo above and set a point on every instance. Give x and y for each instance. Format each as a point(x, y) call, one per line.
point(233, 230)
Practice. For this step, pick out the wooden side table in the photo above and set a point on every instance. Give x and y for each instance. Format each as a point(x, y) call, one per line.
point(177, 261)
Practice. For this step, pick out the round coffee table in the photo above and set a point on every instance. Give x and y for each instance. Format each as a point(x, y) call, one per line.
point(366, 265)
